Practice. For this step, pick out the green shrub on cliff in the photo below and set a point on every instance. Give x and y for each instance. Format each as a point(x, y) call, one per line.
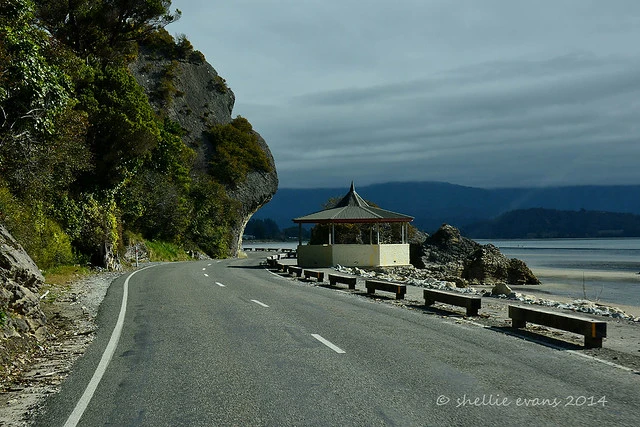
point(237, 151)
point(42, 237)
point(213, 216)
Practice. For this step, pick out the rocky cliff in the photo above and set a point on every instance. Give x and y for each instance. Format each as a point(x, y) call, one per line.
point(20, 280)
point(189, 91)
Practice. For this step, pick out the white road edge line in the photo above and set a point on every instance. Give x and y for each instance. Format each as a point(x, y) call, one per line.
point(259, 303)
point(328, 344)
point(82, 404)
point(275, 274)
point(220, 284)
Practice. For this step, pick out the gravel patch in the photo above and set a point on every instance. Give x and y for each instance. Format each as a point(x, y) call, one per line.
point(71, 311)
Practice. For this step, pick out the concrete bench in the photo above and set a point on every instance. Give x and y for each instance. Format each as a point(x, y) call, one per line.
point(318, 275)
point(281, 267)
point(471, 302)
point(593, 330)
point(292, 269)
point(335, 278)
point(372, 285)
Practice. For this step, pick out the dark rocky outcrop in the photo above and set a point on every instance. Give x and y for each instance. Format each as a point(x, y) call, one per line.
point(447, 246)
point(200, 100)
point(488, 265)
point(20, 281)
point(519, 274)
point(452, 257)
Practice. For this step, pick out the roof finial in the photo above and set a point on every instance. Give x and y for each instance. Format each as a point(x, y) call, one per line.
point(353, 187)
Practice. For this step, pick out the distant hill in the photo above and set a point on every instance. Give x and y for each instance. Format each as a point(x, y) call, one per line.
point(551, 223)
point(435, 203)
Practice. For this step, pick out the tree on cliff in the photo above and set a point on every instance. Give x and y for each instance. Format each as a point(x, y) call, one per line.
point(107, 29)
point(41, 135)
point(85, 159)
point(236, 151)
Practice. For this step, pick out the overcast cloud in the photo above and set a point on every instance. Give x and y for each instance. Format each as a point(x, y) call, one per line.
point(487, 93)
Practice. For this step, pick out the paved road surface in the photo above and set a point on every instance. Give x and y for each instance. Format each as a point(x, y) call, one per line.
point(219, 343)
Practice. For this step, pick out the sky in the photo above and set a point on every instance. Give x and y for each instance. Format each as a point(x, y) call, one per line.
point(483, 93)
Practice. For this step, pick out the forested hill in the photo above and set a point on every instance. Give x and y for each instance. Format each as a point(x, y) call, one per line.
point(112, 132)
point(550, 223)
point(435, 203)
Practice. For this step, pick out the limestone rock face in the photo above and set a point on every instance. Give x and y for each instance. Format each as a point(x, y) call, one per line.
point(201, 100)
point(255, 192)
point(20, 280)
point(447, 254)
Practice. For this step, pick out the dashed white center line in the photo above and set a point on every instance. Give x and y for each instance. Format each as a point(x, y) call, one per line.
point(259, 303)
point(204, 268)
point(328, 344)
point(206, 275)
point(220, 284)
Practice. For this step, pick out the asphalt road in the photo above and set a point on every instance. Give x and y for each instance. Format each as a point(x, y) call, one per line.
point(220, 343)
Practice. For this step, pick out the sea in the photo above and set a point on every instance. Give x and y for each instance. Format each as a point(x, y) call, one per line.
point(602, 270)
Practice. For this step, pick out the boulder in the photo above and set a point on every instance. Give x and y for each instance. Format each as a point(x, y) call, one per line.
point(501, 288)
point(458, 281)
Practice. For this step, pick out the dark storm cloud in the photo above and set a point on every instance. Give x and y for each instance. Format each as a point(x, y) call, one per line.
point(487, 93)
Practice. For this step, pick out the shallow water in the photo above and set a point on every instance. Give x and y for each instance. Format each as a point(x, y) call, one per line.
point(605, 270)
point(598, 269)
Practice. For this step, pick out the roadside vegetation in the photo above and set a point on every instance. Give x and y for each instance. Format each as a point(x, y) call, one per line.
point(163, 251)
point(64, 274)
point(84, 158)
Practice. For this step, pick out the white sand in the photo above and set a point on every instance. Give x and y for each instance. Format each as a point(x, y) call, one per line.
point(565, 285)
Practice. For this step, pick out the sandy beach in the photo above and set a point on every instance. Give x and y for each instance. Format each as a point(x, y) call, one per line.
point(615, 288)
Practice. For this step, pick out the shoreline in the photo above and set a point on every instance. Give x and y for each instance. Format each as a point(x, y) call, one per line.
point(609, 287)
point(604, 287)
